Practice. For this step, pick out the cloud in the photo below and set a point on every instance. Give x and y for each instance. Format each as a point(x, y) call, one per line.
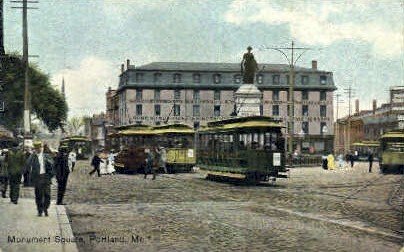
point(323, 23)
point(86, 85)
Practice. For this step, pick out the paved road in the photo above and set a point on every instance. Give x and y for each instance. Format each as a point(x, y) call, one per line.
point(314, 210)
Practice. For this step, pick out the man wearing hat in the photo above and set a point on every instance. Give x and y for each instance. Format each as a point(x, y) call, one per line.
point(162, 158)
point(62, 173)
point(3, 173)
point(42, 171)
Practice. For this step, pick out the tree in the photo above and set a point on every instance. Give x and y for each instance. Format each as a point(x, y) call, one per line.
point(74, 125)
point(47, 104)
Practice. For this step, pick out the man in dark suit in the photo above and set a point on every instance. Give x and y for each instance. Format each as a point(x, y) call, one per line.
point(62, 173)
point(95, 162)
point(42, 171)
point(15, 161)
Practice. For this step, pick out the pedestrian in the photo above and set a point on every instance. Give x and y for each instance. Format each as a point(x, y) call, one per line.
point(62, 173)
point(162, 158)
point(149, 164)
point(370, 159)
point(95, 162)
point(351, 159)
point(340, 160)
point(3, 173)
point(111, 162)
point(27, 172)
point(41, 164)
point(15, 164)
point(324, 161)
point(72, 160)
point(330, 162)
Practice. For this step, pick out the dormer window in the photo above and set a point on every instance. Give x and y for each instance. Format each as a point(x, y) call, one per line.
point(237, 78)
point(196, 78)
point(260, 78)
point(217, 78)
point(177, 78)
point(157, 77)
point(323, 79)
point(275, 79)
point(139, 77)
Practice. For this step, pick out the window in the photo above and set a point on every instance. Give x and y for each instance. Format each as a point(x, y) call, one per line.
point(139, 109)
point(237, 78)
point(157, 77)
point(305, 95)
point(177, 94)
point(216, 110)
point(216, 95)
point(196, 110)
point(305, 110)
point(157, 110)
point(139, 94)
point(323, 128)
point(260, 78)
point(217, 78)
point(323, 110)
point(177, 78)
point(196, 96)
point(305, 80)
point(323, 95)
point(196, 125)
point(275, 95)
point(261, 110)
point(157, 94)
point(323, 79)
point(196, 78)
point(177, 110)
point(305, 127)
point(275, 79)
point(275, 110)
point(287, 80)
point(158, 123)
point(139, 77)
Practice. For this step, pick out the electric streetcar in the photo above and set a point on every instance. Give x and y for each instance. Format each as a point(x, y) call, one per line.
point(250, 148)
point(392, 152)
point(80, 144)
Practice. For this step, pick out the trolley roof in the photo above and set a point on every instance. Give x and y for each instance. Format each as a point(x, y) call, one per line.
point(137, 130)
point(75, 138)
point(394, 134)
point(178, 128)
point(367, 144)
point(243, 123)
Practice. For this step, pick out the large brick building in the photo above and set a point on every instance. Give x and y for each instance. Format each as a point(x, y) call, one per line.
point(195, 93)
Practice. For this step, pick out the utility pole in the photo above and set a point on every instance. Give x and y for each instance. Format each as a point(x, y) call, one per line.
point(337, 129)
point(2, 52)
point(349, 91)
point(291, 99)
point(27, 101)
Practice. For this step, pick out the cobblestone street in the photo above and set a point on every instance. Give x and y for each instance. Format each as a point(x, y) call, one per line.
point(346, 209)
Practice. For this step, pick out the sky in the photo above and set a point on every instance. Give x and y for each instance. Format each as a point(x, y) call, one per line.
point(86, 41)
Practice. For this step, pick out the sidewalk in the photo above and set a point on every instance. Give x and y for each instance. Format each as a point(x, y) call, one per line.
point(22, 230)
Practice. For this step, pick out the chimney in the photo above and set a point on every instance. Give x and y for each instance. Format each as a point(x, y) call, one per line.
point(314, 65)
point(127, 63)
point(122, 68)
point(357, 106)
point(374, 106)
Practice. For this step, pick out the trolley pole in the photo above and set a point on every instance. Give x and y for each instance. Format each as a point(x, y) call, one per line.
point(291, 97)
point(349, 91)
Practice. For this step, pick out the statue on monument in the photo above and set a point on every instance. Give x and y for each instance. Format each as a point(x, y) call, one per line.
point(248, 67)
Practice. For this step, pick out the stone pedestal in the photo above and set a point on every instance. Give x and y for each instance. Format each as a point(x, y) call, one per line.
point(248, 100)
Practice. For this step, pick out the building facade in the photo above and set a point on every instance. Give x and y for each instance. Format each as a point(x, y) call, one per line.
point(195, 93)
point(370, 125)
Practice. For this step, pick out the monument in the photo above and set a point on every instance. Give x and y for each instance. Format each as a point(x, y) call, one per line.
point(248, 98)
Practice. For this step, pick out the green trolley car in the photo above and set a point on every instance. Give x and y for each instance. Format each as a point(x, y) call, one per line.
point(392, 152)
point(80, 144)
point(250, 148)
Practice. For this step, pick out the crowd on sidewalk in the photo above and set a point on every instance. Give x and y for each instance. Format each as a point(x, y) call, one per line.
point(329, 162)
point(35, 167)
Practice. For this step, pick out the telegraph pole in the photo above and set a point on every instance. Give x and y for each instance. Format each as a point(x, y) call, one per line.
point(27, 101)
point(337, 129)
point(291, 100)
point(349, 91)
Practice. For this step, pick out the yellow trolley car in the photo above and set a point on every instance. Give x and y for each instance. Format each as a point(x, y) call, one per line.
point(392, 152)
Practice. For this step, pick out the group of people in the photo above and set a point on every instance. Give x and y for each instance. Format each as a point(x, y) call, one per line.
point(37, 167)
point(103, 163)
point(328, 160)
